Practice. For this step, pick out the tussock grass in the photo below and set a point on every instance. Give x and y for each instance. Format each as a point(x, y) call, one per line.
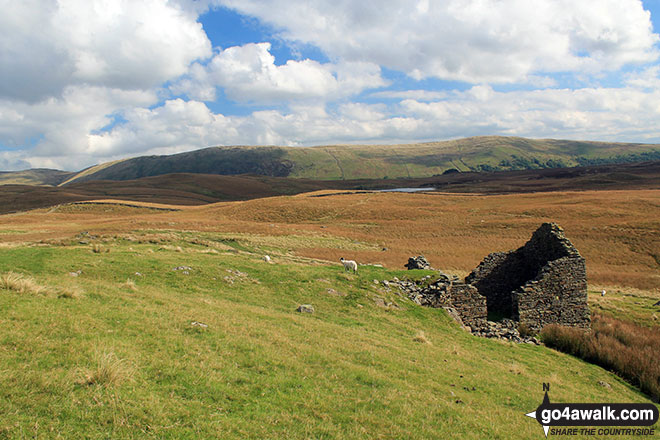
point(626, 348)
point(130, 285)
point(109, 370)
point(22, 284)
point(421, 338)
point(70, 292)
point(98, 249)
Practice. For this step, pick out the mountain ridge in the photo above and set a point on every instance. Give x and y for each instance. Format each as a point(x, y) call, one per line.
point(350, 162)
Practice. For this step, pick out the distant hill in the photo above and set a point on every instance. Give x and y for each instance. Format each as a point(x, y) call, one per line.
point(36, 176)
point(199, 189)
point(350, 162)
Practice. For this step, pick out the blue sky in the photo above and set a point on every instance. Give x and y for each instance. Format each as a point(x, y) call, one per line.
point(103, 80)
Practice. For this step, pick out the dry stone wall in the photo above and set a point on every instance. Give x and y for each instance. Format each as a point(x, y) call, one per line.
point(558, 295)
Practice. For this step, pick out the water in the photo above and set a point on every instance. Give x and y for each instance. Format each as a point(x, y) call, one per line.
point(407, 190)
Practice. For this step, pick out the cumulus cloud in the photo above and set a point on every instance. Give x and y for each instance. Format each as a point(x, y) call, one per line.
point(85, 81)
point(495, 41)
point(418, 94)
point(58, 129)
point(11, 160)
point(590, 113)
point(50, 45)
point(249, 74)
point(648, 78)
point(179, 125)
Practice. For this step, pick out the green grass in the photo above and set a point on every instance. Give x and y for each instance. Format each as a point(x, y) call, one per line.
point(627, 304)
point(123, 362)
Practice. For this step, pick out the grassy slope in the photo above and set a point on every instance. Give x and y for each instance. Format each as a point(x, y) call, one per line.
point(362, 161)
point(421, 160)
point(260, 370)
point(89, 171)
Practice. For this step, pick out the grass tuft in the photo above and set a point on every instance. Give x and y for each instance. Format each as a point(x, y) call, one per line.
point(421, 338)
point(98, 249)
point(69, 294)
point(21, 284)
point(524, 330)
point(109, 371)
point(130, 285)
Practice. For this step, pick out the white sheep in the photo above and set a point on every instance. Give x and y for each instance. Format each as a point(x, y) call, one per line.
point(266, 258)
point(349, 265)
point(603, 293)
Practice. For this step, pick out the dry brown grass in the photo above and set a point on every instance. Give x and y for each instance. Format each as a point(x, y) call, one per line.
point(70, 293)
point(618, 232)
point(98, 249)
point(108, 371)
point(130, 285)
point(421, 338)
point(628, 349)
point(22, 284)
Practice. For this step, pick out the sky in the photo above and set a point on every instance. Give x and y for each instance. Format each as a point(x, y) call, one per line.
point(88, 81)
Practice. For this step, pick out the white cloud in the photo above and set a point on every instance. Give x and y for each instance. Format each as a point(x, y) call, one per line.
point(420, 95)
point(60, 127)
point(177, 125)
point(648, 78)
point(596, 114)
point(475, 41)
point(122, 44)
point(69, 67)
point(85, 81)
point(12, 160)
point(249, 74)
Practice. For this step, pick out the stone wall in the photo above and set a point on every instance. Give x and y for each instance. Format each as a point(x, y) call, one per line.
point(461, 300)
point(463, 303)
point(558, 295)
point(495, 278)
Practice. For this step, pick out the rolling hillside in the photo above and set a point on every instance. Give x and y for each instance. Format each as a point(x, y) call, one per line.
point(345, 162)
point(349, 162)
point(123, 321)
point(37, 176)
point(199, 189)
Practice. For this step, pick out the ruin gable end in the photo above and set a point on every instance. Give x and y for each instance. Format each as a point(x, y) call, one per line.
point(543, 282)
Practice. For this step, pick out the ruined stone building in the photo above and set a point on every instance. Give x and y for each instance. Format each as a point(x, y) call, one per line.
point(543, 282)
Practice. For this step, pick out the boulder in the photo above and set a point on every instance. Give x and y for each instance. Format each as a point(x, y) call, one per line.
point(305, 308)
point(418, 262)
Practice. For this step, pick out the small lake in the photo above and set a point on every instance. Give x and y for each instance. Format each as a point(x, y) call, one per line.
point(406, 190)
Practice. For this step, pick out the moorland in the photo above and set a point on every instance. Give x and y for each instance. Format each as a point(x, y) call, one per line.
point(144, 308)
point(163, 321)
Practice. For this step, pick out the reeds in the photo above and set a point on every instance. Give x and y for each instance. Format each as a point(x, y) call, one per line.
point(626, 348)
